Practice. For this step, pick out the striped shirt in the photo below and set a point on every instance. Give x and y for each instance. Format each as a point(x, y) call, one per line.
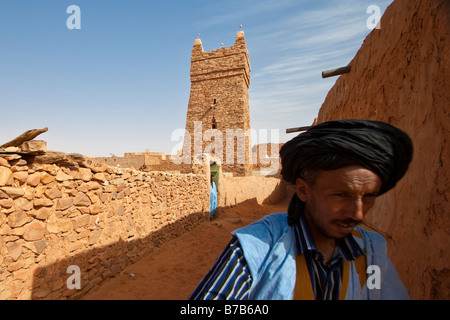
point(230, 278)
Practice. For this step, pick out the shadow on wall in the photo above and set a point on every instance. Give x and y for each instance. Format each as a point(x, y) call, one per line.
point(235, 190)
point(282, 191)
point(74, 276)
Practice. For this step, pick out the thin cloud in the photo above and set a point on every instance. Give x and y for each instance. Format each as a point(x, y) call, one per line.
point(296, 63)
point(244, 10)
point(289, 90)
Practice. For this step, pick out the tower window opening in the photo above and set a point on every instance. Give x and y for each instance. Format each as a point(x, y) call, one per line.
point(214, 124)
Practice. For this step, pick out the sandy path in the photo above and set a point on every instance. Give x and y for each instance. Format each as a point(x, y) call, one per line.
point(173, 271)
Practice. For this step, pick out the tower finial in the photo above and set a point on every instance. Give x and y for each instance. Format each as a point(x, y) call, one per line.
point(198, 41)
point(240, 34)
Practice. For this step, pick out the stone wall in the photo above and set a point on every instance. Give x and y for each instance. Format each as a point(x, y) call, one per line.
point(401, 76)
point(53, 217)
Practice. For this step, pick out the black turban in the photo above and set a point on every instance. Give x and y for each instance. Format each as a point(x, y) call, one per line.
point(377, 146)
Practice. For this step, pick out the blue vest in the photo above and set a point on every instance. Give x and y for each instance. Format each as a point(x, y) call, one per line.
point(269, 249)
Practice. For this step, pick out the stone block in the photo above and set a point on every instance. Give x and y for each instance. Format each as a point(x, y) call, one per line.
point(18, 218)
point(13, 192)
point(35, 230)
point(95, 208)
point(85, 174)
point(40, 245)
point(14, 250)
point(94, 165)
point(34, 146)
point(53, 193)
point(42, 202)
point(42, 213)
point(81, 200)
point(6, 203)
point(63, 203)
point(61, 176)
point(23, 204)
point(46, 178)
point(81, 221)
point(21, 176)
point(5, 176)
point(4, 162)
point(39, 191)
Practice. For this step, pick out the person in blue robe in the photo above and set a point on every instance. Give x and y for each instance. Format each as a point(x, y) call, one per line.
point(212, 198)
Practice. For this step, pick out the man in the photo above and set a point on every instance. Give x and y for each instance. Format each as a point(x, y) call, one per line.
point(316, 250)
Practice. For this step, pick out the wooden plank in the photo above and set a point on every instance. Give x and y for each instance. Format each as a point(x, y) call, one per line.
point(336, 72)
point(26, 136)
point(298, 129)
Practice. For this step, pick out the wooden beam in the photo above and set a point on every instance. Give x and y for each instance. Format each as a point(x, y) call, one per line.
point(298, 129)
point(26, 136)
point(336, 72)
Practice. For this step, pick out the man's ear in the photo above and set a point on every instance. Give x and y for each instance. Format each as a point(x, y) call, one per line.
point(300, 188)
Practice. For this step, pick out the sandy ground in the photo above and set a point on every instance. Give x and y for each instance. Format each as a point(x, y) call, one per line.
point(174, 270)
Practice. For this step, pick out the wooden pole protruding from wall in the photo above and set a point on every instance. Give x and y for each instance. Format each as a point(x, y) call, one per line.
point(336, 72)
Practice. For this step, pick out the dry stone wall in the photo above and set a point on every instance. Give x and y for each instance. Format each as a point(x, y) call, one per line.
point(53, 217)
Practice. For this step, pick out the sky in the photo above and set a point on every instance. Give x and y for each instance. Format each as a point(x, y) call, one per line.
point(120, 83)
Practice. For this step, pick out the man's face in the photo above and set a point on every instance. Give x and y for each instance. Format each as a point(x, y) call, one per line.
point(338, 200)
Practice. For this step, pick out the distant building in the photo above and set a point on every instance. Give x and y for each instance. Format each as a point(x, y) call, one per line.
point(145, 161)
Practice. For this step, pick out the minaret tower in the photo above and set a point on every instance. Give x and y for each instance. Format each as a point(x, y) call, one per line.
point(218, 116)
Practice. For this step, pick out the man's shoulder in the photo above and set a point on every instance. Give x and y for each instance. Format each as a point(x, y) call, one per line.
point(260, 238)
point(274, 220)
point(371, 241)
point(273, 224)
point(265, 232)
point(362, 231)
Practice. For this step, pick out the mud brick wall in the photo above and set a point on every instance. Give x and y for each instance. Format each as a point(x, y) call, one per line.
point(53, 217)
point(400, 75)
point(263, 190)
point(134, 161)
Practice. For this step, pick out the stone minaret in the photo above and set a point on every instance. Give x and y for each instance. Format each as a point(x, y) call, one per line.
point(218, 116)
